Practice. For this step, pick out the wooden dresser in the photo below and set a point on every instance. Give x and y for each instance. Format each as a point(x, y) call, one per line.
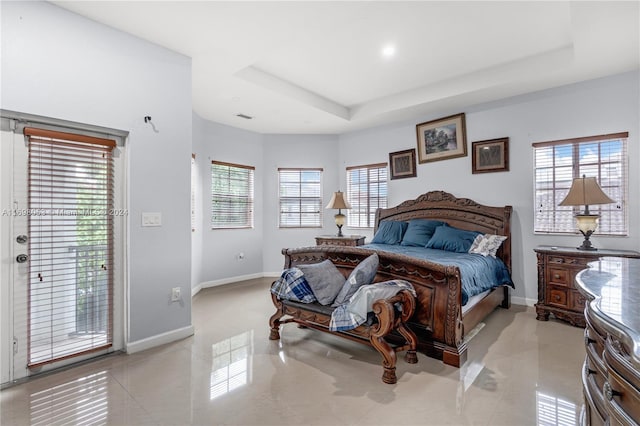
point(557, 269)
point(611, 373)
point(333, 240)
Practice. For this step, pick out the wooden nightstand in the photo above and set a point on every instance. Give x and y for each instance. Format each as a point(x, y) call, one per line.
point(557, 269)
point(333, 240)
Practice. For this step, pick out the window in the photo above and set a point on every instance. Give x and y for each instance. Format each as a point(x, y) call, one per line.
point(300, 198)
point(366, 192)
point(193, 192)
point(557, 163)
point(231, 195)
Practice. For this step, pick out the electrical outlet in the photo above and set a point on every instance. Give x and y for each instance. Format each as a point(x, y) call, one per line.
point(175, 294)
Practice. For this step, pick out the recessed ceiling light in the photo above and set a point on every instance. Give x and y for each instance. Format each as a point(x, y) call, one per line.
point(388, 50)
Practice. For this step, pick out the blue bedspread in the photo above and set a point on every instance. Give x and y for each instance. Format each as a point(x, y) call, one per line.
point(478, 273)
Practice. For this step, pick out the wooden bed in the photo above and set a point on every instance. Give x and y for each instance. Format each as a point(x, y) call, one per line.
point(438, 320)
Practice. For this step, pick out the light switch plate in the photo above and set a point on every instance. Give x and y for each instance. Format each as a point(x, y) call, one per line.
point(151, 219)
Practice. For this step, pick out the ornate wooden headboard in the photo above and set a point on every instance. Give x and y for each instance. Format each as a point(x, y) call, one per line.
point(461, 213)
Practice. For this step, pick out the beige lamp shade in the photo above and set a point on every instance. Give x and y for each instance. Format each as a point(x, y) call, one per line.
point(338, 201)
point(585, 191)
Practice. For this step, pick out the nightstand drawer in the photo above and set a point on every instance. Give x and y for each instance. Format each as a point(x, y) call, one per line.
point(557, 297)
point(576, 301)
point(578, 262)
point(560, 276)
point(347, 240)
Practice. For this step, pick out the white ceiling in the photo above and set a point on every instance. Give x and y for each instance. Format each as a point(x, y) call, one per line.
point(317, 67)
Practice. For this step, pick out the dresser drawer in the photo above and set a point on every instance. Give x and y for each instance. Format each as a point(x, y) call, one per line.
point(557, 297)
point(621, 398)
point(593, 386)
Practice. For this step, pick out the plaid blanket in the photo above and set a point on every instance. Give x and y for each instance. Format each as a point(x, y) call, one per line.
point(292, 285)
point(353, 313)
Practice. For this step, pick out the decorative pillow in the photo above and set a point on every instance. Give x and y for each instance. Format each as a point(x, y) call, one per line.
point(452, 239)
point(292, 285)
point(324, 279)
point(476, 244)
point(362, 274)
point(487, 244)
point(419, 232)
point(390, 232)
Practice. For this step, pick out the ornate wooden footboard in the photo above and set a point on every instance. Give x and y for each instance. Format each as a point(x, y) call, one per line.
point(438, 320)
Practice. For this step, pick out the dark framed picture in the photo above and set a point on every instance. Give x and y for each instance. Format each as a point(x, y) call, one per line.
point(402, 164)
point(442, 139)
point(490, 156)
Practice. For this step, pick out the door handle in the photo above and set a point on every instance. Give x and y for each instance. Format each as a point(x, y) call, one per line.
point(21, 258)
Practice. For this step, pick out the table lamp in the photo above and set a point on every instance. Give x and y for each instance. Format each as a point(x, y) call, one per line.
point(338, 202)
point(586, 191)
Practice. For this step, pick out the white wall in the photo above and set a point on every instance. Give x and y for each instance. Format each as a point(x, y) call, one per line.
point(104, 77)
point(219, 248)
point(312, 151)
point(58, 64)
point(597, 107)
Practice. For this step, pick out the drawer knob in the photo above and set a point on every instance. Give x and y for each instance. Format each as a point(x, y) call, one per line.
point(557, 297)
point(608, 392)
point(556, 276)
point(588, 371)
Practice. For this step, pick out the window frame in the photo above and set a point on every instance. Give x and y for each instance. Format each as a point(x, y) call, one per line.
point(309, 200)
point(557, 215)
point(194, 177)
point(249, 195)
point(369, 208)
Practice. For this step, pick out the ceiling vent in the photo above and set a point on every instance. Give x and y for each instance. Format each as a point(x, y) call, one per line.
point(244, 116)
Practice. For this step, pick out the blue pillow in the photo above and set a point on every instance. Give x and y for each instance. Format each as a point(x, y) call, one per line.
point(419, 232)
point(390, 232)
point(452, 239)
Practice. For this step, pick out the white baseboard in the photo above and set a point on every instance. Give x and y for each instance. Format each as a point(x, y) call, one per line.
point(523, 301)
point(160, 339)
point(224, 281)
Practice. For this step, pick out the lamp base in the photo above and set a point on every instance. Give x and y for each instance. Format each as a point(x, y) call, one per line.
point(340, 231)
point(586, 244)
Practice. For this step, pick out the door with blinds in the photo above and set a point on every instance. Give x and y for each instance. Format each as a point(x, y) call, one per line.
point(63, 224)
point(70, 231)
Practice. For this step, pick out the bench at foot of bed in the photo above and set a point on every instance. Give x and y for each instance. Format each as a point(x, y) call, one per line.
point(387, 319)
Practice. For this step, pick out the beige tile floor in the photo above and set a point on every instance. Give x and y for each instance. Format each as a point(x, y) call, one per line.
point(520, 372)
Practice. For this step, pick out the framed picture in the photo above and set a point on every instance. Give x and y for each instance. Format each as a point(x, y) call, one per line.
point(490, 156)
point(442, 139)
point(402, 164)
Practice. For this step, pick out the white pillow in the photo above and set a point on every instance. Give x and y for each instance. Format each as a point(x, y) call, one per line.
point(487, 244)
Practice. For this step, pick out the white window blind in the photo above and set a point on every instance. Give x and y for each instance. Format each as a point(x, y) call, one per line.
point(70, 191)
point(557, 163)
point(300, 198)
point(231, 195)
point(193, 192)
point(366, 192)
